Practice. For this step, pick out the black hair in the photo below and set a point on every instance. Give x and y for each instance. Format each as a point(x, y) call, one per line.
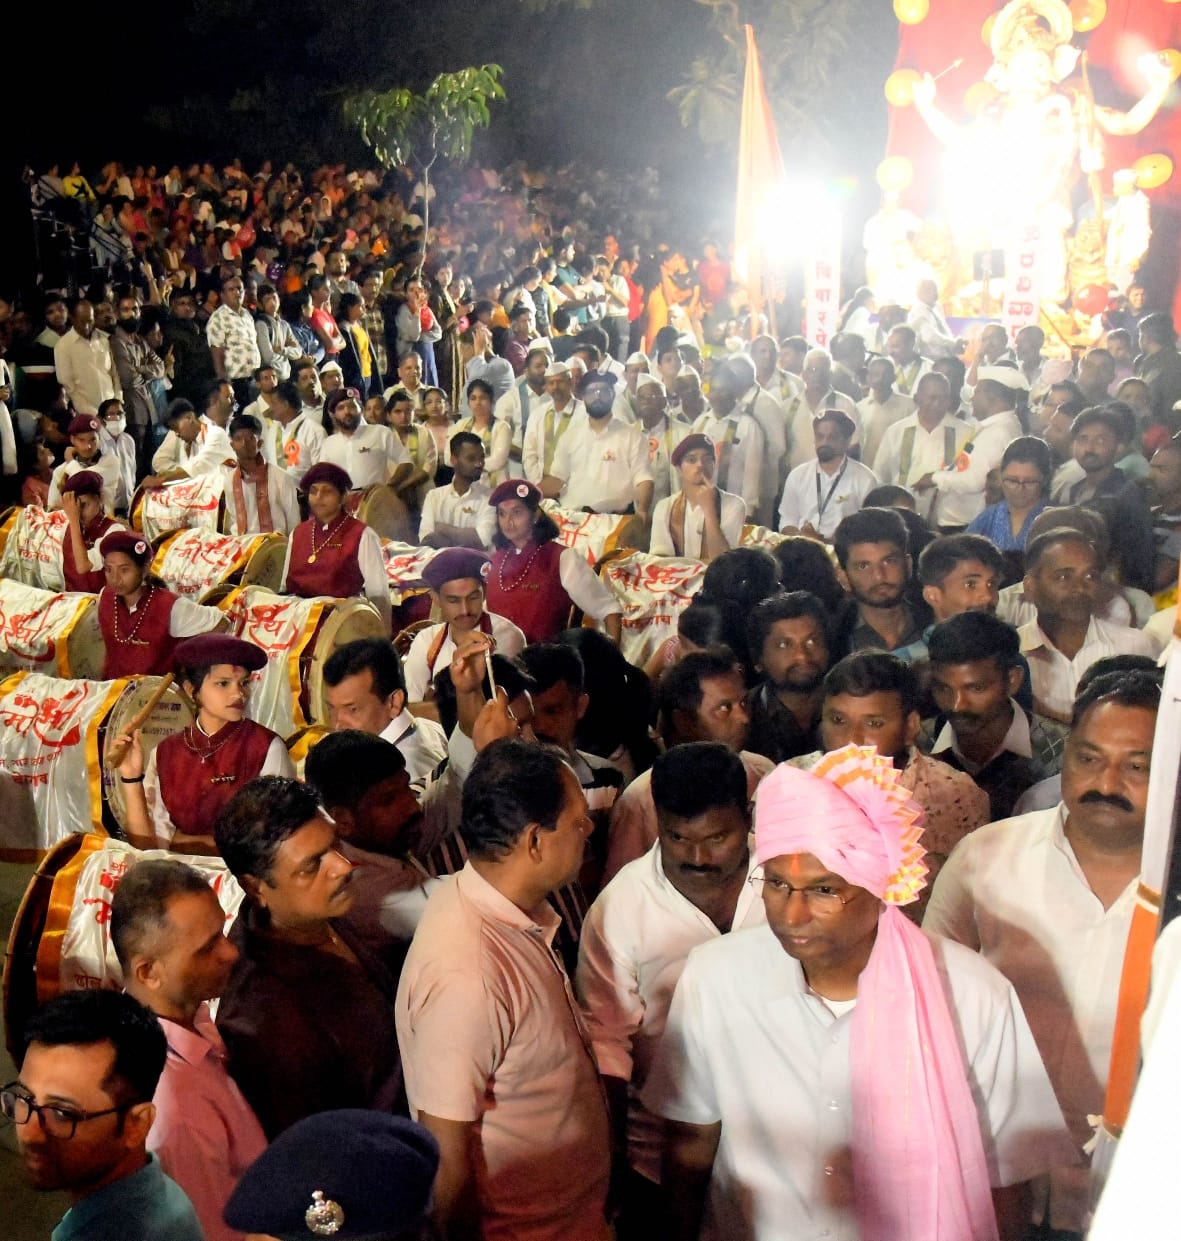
point(680, 688)
point(690, 779)
point(510, 677)
point(742, 575)
point(561, 318)
point(258, 819)
point(841, 420)
point(289, 394)
point(972, 636)
point(1037, 547)
point(347, 302)
point(790, 605)
point(1110, 664)
point(1158, 327)
point(396, 395)
point(942, 555)
point(83, 1018)
point(480, 385)
point(512, 784)
point(375, 654)
point(702, 624)
point(594, 335)
point(870, 525)
point(1125, 689)
point(522, 309)
point(139, 907)
point(551, 663)
point(212, 392)
point(873, 672)
point(887, 495)
point(343, 766)
point(1029, 450)
point(177, 409)
point(805, 565)
point(1107, 416)
point(545, 529)
point(244, 422)
point(316, 283)
point(462, 438)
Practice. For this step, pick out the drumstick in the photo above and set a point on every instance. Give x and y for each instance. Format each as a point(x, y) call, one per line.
point(117, 751)
point(491, 674)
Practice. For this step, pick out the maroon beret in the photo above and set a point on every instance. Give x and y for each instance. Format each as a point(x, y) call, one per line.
point(453, 564)
point(130, 544)
point(341, 394)
point(325, 472)
point(84, 483)
point(83, 425)
point(216, 648)
point(516, 489)
point(688, 444)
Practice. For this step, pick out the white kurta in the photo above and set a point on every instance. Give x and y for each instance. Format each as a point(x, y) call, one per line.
point(740, 448)
point(205, 455)
point(509, 639)
point(733, 518)
point(295, 447)
point(281, 494)
point(961, 488)
point(929, 451)
point(542, 436)
point(601, 468)
point(368, 456)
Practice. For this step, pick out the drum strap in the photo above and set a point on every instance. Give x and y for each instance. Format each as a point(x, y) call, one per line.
point(432, 655)
point(262, 499)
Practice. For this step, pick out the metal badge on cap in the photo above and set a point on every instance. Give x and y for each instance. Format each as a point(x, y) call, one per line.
point(324, 1217)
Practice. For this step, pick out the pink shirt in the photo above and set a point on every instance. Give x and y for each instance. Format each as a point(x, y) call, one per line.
point(204, 1134)
point(490, 1034)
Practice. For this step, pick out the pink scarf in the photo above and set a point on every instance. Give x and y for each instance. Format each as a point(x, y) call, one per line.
point(918, 1157)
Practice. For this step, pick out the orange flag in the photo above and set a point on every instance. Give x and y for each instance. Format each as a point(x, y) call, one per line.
point(760, 177)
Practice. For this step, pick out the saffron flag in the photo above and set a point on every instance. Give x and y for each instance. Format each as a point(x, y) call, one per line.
point(760, 178)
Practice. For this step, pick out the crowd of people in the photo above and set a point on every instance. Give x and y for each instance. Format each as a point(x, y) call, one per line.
point(812, 926)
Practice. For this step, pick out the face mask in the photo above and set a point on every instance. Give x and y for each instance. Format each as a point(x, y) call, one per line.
point(115, 427)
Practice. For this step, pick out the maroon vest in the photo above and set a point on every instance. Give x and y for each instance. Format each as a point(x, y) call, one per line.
point(533, 599)
point(149, 652)
point(194, 789)
point(92, 581)
point(337, 571)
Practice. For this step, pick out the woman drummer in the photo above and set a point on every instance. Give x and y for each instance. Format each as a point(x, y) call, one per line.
point(332, 554)
point(82, 503)
point(173, 800)
point(534, 581)
point(140, 619)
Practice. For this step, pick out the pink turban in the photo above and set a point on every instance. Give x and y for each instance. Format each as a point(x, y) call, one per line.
point(918, 1156)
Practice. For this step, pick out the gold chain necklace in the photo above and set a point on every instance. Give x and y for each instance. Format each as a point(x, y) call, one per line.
point(142, 610)
point(520, 576)
point(316, 550)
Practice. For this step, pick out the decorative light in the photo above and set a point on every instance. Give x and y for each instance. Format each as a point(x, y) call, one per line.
point(1087, 14)
point(979, 96)
point(911, 12)
point(1152, 171)
point(900, 87)
point(895, 174)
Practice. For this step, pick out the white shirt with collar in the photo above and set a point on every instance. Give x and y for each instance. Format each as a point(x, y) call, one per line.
point(519, 407)
point(1014, 892)
point(732, 519)
point(542, 435)
point(122, 448)
point(369, 455)
point(86, 369)
point(767, 410)
point(601, 466)
point(1054, 678)
point(281, 495)
point(470, 510)
point(1016, 741)
point(877, 417)
point(801, 440)
point(740, 447)
point(928, 453)
point(296, 447)
point(961, 487)
point(633, 946)
point(509, 639)
point(933, 336)
point(423, 745)
point(809, 489)
point(207, 454)
point(108, 467)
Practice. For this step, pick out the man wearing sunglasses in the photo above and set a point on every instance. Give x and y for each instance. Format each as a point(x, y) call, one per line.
point(82, 1110)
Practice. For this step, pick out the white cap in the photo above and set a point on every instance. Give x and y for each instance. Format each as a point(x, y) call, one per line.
point(637, 359)
point(576, 366)
point(688, 370)
point(331, 366)
point(556, 368)
point(687, 338)
point(540, 345)
point(645, 381)
point(1007, 376)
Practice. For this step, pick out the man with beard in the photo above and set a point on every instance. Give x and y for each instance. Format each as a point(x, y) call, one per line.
point(819, 494)
point(259, 497)
point(738, 438)
point(789, 641)
point(982, 729)
point(1063, 579)
point(266, 379)
point(308, 1013)
point(458, 513)
point(875, 567)
point(368, 454)
point(818, 395)
point(1048, 897)
point(601, 464)
point(689, 888)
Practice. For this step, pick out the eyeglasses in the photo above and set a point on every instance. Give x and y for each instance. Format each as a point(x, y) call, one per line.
point(1024, 483)
point(58, 1122)
point(821, 899)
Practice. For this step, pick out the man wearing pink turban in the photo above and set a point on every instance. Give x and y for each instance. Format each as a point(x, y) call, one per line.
point(837, 1073)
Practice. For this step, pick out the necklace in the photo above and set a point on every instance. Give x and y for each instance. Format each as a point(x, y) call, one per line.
point(316, 550)
point(141, 612)
point(226, 734)
point(520, 576)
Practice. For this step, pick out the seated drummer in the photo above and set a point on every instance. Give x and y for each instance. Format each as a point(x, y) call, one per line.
point(82, 503)
point(140, 619)
point(701, 521)
point(260, 498)
point(192, 447)
point(172, 802)
point(456, 577)
point(332, 553)
point(87, 455)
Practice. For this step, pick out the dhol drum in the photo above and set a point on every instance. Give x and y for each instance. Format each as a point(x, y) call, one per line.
point(172, 713)
point(652, 591)
point(301, 743)
point(31, 547)
point(8, 518)
point(182, 505)
point(42, 631)
point(203, 565)
point(298, 635)
point(596, 535)
point(61, 940)
point(384, 511)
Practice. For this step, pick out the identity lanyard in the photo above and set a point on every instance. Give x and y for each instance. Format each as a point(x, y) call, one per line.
point(821, 505)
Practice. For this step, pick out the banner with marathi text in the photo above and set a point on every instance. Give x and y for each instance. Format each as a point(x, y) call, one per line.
point(33, 550)
point(653, 591)
point(35, 627)
point(200, 558)
point(192, 502)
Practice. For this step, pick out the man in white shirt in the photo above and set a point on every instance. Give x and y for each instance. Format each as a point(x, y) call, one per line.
point(699, 521)
point(458, 514)
point(602, 463)
point(365, 690)
point(932, 333)
point(192, 447)
point(233, 339)
point(544, 432)
point(770, 376)
point(819, 494)
point(84, 363)
point(766, 409)
point(295, 438)
point(1048, 897)
point(959, 487)
point(738, 440)
point(409, 379)
point(84, 437)
point(259, 496)
point(527, 400)
point(882, 408)
point(1063, 579)
point(909, 365)
point(369, 454)
point(922, 442)
point(689, 888)
point(456, 580)
point(663, 432)
point(818, 395)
